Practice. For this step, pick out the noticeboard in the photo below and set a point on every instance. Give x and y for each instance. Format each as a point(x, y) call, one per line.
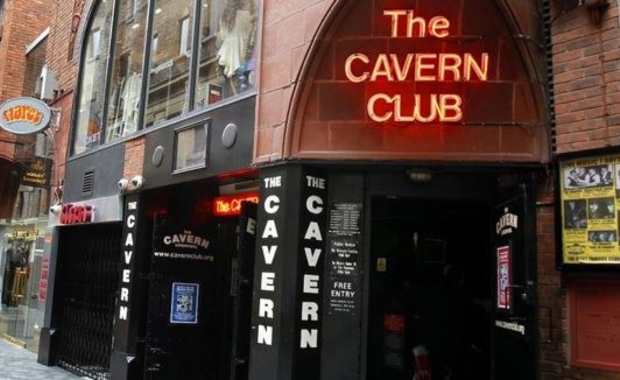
point(589, 199)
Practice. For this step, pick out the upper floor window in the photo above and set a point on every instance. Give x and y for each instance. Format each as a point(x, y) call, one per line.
point(200, 53)
point(90, 107)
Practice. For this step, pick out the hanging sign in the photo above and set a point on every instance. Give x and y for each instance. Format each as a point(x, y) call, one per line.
point(37, 173)
point(24, 116)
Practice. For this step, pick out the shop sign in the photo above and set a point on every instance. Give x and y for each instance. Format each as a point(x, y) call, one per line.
point(311, 259)
point(172, 242)
point(589, 203)
point(37, 173)
point(77, 214)
point(266, 264)
point(129, 239)
point(417, 67)
point(24, 116)
point(45, 270)
point(231, 204)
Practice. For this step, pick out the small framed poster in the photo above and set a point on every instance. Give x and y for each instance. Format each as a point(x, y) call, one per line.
point(504, 278)
point(184, 303)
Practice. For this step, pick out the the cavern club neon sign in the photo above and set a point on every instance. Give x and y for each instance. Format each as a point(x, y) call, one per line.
point(231, 205)
point(416, 67)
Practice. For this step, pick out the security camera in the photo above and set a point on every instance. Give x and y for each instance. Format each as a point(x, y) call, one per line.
point(122, 184)
point(55, 209)
point(136, 182)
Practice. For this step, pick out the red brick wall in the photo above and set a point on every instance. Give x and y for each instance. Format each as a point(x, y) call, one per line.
point(288, 29)
point(64, 66)
point(134, 155)
point(24, 21)
point(586, 65)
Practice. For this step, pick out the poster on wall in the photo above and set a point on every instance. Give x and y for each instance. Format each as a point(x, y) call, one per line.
point(504, 278)
point(590, 200)
point(184, 303)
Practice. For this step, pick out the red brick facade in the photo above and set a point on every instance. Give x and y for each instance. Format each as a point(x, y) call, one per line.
point(586, 68)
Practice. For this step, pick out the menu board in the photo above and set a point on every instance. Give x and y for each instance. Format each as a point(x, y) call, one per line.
point(343, 258)
point(590, 200)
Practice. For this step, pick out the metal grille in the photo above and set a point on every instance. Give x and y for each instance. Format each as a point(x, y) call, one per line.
point(89, 276)
point(89, 183)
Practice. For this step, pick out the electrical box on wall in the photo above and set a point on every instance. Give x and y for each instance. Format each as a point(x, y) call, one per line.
point(47, 86)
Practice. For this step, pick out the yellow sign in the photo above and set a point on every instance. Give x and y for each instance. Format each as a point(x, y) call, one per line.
point(590, 200)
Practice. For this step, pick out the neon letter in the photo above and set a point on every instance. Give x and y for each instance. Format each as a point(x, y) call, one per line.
point(349, 71)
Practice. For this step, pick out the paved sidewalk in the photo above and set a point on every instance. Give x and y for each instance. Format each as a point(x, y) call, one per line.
point(20, 364)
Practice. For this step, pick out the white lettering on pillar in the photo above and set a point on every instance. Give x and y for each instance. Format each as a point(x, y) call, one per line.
point(309, 338)
point(265, 308)
point(309, 311)
point(265, 335)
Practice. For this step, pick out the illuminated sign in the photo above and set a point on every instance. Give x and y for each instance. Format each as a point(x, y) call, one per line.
point(24, 116)
point(231, 205)
point(75, 214)
point(37, 173)
point(416, 67)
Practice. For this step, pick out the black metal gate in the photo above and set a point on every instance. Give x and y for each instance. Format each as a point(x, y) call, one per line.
point(88, 272)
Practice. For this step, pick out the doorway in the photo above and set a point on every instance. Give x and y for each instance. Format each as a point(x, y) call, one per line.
point(430, 286)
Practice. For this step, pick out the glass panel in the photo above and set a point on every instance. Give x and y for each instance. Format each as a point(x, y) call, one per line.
point(92, 82)
point(16, 292)
point(126, 85)
point(191, 147)
point(227, 49)
point(168, 85)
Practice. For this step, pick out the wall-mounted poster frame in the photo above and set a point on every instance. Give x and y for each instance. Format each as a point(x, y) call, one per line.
point(587, 209)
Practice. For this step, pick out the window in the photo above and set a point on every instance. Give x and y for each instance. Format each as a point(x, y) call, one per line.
point(184, 46)
point(228, 38)
point(123, 116)
point(94, 43)
point(154, 44)
point(168, 93)
point(89, 118)
point(225, 62)
point(191, 147)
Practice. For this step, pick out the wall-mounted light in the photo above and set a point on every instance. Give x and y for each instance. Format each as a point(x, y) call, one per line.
point(418, 175)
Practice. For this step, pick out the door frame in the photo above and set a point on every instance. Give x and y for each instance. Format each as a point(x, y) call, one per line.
point(475, 184)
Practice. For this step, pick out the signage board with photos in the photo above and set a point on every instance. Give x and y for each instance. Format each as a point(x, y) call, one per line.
point(590, 203)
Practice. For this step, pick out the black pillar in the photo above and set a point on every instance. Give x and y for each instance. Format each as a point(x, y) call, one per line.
point(288, 282)
point(125, 362)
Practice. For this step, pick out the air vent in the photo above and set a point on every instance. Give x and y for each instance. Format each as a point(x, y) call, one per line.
point(89, 183)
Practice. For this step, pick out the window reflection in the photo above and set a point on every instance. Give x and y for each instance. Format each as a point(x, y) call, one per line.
point(226, 65)
point(90, 111)
point(225, 62)
point(168, 78)
point(126, 80)
point(191, 147)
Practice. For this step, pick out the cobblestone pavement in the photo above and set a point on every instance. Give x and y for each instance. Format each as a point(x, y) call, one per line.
point(20, 364)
